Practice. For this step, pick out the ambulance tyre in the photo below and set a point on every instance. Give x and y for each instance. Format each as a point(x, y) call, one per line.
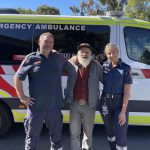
point(6, 120)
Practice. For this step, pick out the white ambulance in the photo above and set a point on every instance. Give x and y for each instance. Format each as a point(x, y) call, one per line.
point(19, 35)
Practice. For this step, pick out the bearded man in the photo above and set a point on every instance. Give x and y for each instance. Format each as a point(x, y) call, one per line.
point(83, 94)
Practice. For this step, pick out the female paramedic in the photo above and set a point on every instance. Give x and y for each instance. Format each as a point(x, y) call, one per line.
point(115, 96)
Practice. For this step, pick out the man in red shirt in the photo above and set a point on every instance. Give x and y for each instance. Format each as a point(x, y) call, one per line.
point(83, 94)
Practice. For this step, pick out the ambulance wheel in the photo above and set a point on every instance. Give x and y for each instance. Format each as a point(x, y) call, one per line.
point(6, 120)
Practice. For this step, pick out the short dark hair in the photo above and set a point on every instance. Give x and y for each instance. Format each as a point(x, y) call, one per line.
point(87, 45)
point(47, 34)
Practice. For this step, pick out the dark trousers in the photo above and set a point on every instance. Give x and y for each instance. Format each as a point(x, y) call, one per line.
point(117, 135)
point(33, 124)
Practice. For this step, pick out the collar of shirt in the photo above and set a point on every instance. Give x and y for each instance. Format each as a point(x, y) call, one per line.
point(118, 65)
point(39, 54)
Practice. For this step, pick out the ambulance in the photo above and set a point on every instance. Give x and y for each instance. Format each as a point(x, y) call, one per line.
point(19, 36)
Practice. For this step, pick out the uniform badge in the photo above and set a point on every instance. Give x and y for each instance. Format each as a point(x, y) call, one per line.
point(36, 66)
point(104, 109)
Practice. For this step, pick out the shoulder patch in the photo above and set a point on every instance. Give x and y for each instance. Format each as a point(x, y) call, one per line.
point(127, 68)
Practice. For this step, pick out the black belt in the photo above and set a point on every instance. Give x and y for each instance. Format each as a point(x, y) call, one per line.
point(112, 96)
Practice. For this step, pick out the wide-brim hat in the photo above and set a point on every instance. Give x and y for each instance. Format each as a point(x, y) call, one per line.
point(87, 45)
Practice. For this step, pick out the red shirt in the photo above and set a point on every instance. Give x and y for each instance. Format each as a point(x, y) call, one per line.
point(81, 86)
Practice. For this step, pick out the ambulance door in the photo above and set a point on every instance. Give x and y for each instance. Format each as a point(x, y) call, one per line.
point(134, 44)
point(15, 43)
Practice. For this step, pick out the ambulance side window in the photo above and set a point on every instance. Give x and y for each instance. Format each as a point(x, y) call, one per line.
point(15, 42)
point(137, 42)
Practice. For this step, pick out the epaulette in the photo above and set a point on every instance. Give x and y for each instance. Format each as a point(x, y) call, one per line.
point(128, 66)
point(106, 63)
point(31, 54)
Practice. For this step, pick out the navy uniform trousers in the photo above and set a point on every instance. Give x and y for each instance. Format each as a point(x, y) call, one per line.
point(117, 135)
point(33, 125)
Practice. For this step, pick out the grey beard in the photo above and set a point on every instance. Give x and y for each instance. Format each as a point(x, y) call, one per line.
point(84, 61)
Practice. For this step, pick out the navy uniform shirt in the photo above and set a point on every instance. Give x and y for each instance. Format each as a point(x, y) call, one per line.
point(44, 76)
point(115, 78)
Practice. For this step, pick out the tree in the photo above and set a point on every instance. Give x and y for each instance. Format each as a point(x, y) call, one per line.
point(25, 11)
point(74, 9)
point(29, 11)
point(87, 7)
point(46, 10)
point(41, 10)
point(139, 9)
point(90, 7)
point(114, 4)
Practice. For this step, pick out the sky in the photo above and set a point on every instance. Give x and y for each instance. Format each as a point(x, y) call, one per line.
point(62, 5)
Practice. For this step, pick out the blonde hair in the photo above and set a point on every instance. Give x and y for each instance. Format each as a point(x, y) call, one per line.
point(111, 45)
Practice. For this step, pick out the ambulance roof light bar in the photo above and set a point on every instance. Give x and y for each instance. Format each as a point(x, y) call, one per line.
point(115, 13)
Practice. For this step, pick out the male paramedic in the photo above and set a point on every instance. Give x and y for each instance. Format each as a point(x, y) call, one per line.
point(44, 69)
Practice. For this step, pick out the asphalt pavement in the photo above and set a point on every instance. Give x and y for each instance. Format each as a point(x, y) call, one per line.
point(138, 138)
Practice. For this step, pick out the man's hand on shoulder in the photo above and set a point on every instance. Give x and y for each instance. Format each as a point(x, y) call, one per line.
point(74, 59)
